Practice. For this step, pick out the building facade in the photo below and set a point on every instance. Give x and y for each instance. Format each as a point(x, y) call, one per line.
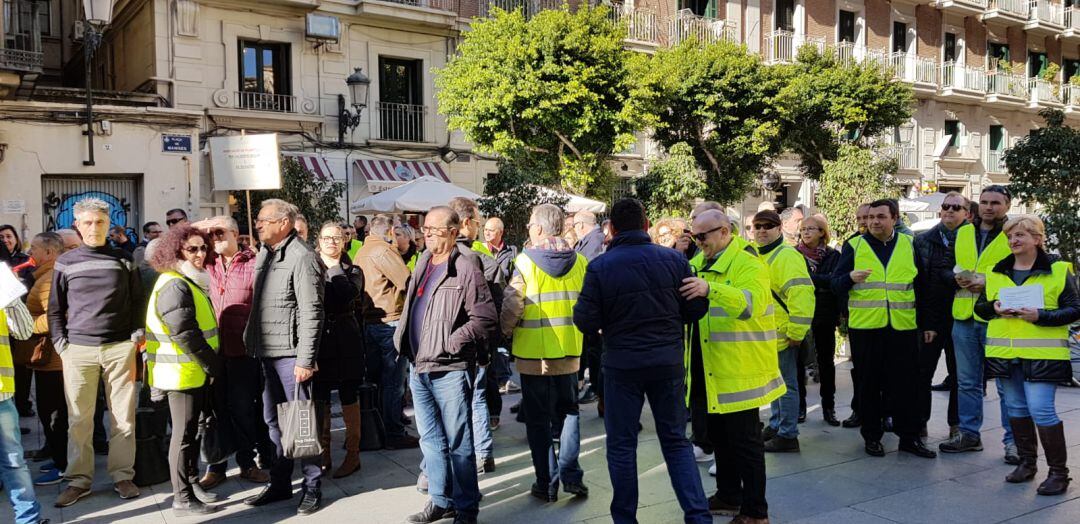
point(169, 69)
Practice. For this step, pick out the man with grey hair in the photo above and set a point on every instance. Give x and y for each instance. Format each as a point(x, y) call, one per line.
point(96, 323)
point(790, 218)
point(537, 313)
point(385, 278)
point(590, 236)
point(70, 237)
point(283, 332)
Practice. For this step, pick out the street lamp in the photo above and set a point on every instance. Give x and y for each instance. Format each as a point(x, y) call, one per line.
point(358, 84)
point(98, 15)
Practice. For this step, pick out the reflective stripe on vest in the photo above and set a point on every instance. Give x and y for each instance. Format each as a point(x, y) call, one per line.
point(7, 365)
point(1010, 338)
point(168, 367)
point(887, 298)
point(546, 329)
point(968, 258)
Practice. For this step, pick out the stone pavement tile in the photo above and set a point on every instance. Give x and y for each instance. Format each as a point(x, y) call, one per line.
point(901, 471)
point(840, 516)
point(979, 497)
point(818, 491)
point(1067, 511)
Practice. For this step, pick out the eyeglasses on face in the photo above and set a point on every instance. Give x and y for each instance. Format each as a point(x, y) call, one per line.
point(334, 239)
point(810, 228)
point(438, 230)
point(952, 207)
point(191, 250)
point(766, 227)
point(173, 221)
point(262, 220)
point(218, 233)
point(700, 237)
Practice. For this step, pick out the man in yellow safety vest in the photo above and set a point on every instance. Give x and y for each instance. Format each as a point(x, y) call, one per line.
point(15, 323)
point(877, 272)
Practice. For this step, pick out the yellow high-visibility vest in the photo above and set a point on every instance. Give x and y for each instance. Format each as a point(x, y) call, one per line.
point(968, 258)
point(792, 290)
point(1011, 338)
point(168, 367)
point(546, 329)
point(887, 298)
point(738, 336)
point(7, 365)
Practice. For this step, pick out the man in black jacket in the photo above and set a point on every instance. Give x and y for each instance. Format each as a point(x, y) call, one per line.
point(95, 324)
point(448, 317)
point(590, 245)
point(934, 307)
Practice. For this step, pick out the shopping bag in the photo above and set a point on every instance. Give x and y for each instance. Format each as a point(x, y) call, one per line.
point(215, 430)
point(299, 427)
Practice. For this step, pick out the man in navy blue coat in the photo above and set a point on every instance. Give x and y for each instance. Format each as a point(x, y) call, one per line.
point(631, 297)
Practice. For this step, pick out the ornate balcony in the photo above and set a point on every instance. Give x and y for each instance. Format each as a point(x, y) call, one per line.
point(642, 26)
point(1043, 94)
point(1007, 12)
point(1045, 18)
point(781, 47)
point(917, 70)
point(1072, 25)
point(686, 25)
point(962, 82)
point(961, 7)
point(1006, 89)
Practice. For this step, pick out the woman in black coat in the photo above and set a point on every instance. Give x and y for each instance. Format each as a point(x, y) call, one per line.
point(821, 261)
point(341, 351)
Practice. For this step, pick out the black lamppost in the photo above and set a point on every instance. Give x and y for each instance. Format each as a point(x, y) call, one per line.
point(358, 84)
point(98, 15)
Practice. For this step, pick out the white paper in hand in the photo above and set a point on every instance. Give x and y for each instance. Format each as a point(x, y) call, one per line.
point(1020, 297)
point(10, 286)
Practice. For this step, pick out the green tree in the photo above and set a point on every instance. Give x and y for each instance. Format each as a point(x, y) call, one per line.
point(556, 85)
point(718, 99)
point(826, 102)
point(515, 190)
point(319, 200)
point(854, 178)
point(673, 183)
point(1044, 169)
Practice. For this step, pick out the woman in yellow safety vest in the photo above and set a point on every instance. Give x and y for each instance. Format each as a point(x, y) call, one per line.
point(1027, 347)
point(181, 354)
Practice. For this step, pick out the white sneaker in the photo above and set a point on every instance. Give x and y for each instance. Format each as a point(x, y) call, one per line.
point(701, 456)
point(712, 469)
point(509, 387)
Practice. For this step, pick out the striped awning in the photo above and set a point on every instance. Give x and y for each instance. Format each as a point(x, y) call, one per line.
point(313, 163)
point(385, 174)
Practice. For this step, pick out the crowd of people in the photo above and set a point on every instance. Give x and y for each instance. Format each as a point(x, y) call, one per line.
point(707, 324)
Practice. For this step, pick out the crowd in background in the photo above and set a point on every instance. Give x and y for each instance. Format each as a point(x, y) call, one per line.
point(707, 320)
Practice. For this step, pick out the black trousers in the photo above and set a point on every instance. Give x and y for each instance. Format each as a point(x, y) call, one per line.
point(929, 355)
point(185, 407)
point(825, 345)
point(740, 461)
point(240, 394)
point(699, 423)
point(591, 353)
point(494, 399)
point(23, 378)
point(547, 401)
point(53, 414)
point(888, 378)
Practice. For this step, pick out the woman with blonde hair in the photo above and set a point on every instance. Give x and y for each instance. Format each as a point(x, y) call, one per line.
point(821, 260)
point(1027, 347)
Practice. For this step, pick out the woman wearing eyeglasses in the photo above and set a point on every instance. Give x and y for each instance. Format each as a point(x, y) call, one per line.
point(821, 261)
point(341, 350)
point(1027, 348)
point(181, 354)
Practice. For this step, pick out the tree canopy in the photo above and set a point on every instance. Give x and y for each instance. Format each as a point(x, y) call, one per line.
point(556, 85)
point(854, 178)
point(672, 184)
point(826, 102)
point(718, 99)
point(1044, 169)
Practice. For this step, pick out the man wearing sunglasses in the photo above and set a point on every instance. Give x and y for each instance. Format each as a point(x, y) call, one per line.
point(175, 217)
point(877, 273)
point(733, 369)
point(792, 295)
point(935, 291)
point(978, 248)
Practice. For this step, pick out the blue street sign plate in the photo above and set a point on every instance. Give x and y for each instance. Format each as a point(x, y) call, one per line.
point(176, 144)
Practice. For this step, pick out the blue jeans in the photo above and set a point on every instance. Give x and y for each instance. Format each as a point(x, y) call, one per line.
point(551, 402)
point(442, 401)
point(393, 369)
point(785, 410)
point(969, 342)
point(622, 410)
point(14, 474)
point(481, 426)
point(500, 366)
point(1029, 399)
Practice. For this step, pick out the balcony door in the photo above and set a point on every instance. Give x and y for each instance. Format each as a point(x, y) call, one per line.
point(264, 82)
point(401, 99)
point(706, 8)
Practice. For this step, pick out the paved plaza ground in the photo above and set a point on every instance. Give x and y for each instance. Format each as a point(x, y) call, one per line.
point(832, 481)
